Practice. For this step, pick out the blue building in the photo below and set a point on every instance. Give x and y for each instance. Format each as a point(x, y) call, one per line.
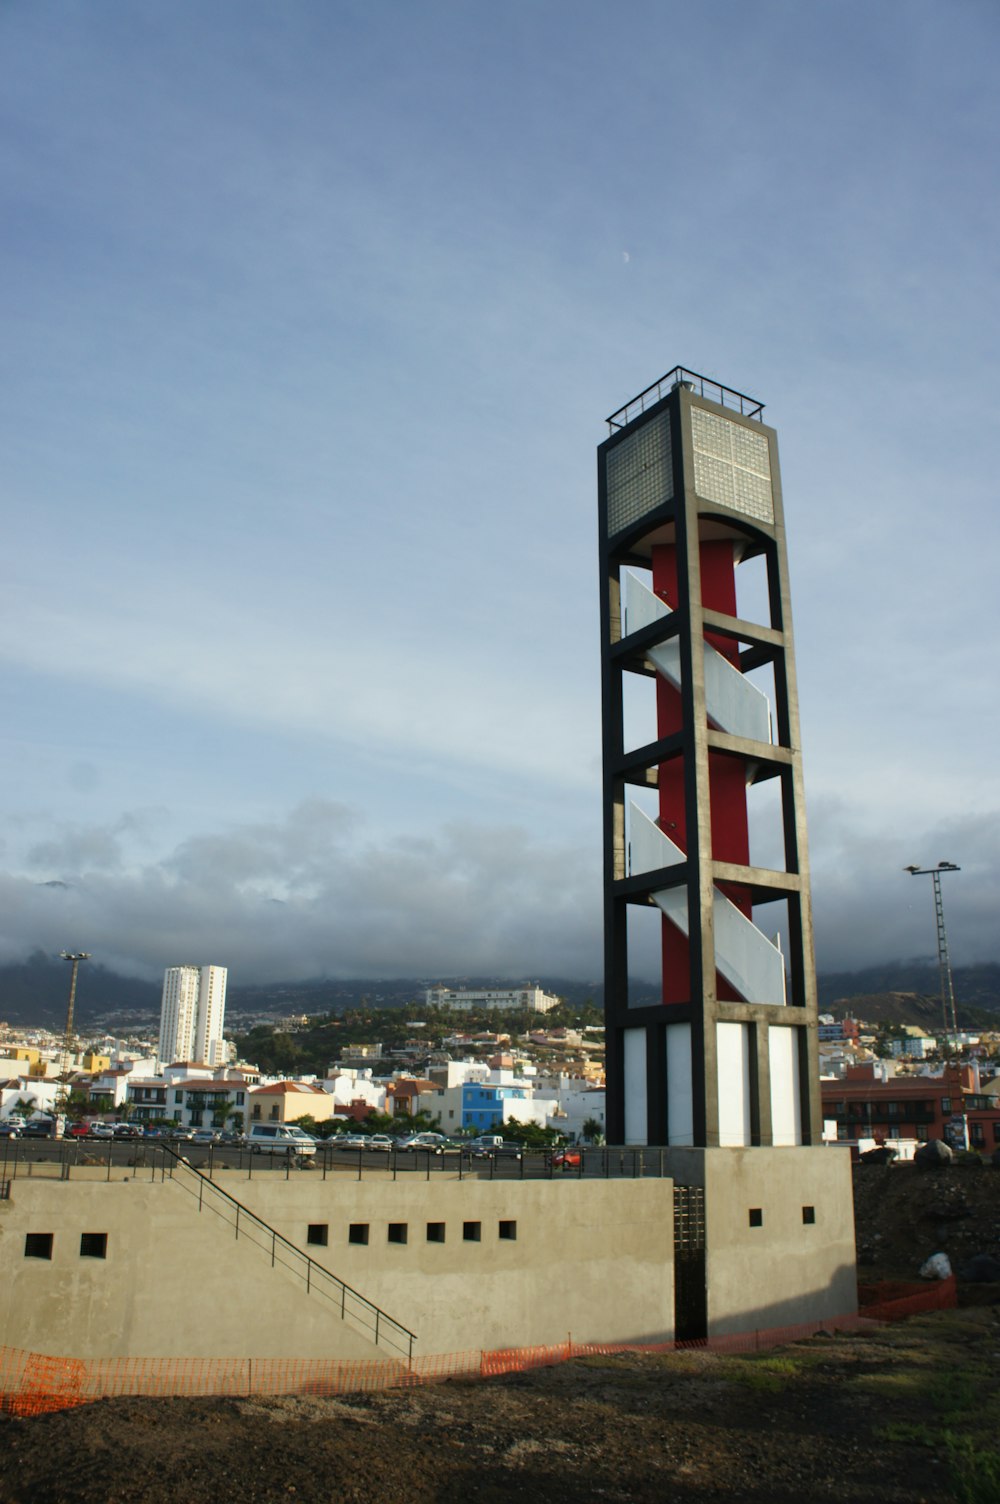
point(483, 1106)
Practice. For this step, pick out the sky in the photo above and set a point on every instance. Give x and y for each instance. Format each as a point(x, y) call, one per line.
point(312, 315)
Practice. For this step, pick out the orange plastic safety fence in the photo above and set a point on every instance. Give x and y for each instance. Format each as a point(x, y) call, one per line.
point(34, 1383)
point(891, 1300)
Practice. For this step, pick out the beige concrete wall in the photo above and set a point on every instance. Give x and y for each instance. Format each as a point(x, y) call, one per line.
point(785, 1271)
point(174, 1283)
point(591, 1260)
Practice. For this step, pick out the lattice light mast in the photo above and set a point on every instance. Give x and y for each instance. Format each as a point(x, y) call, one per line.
point(690, 506)
point(944, 964)
point(74, 958)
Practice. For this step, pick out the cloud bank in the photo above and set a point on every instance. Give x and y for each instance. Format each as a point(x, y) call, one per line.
point(315, 893)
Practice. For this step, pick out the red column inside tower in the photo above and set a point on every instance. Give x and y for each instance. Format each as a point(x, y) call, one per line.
point(726, 775)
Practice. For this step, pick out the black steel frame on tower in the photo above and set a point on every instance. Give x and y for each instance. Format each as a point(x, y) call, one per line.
point(683, 518)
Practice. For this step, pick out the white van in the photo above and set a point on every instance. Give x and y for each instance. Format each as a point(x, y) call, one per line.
point(279, 1138)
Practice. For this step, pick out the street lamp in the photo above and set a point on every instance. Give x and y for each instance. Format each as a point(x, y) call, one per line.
point(944, 965)
point(74, 958)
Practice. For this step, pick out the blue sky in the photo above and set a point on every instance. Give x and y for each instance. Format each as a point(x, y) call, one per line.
point(312, 315)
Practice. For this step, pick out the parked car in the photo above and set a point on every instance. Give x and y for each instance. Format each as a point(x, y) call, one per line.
point(204, 1137)
point(484, 1144)
point(506, 1150)
point(181, 1135)
point(349, 1141)
point(127, 1130)
point(10, 1129)
point(39, 1128)
point(78, 1130)
point(433, 1143)
point(279, 1138)
point(567, 1159)
point(380, 1141)
point(102, 1130)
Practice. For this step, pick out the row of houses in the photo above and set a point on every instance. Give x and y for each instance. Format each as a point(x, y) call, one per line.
point(870, 1101)
point(459, 1095)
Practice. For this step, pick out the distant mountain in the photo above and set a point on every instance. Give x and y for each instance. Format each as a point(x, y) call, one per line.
point(35, 992)
point(910, 992)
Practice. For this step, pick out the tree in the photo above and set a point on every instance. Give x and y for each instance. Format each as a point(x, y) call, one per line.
point(592, 1131)
point(530, 1134)
point(76, 1106)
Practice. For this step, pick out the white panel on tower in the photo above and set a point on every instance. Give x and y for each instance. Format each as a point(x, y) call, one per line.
point(634, 1060)
point(732, 1043)
point(734, 704)
point(749, 961)
point(680, 1087)
point(786, 1115)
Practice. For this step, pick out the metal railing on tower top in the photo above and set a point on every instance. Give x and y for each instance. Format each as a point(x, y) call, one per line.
point(703, 385)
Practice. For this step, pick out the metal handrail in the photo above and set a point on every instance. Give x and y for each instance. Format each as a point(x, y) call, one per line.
point(749, 407)
point(312, 1269)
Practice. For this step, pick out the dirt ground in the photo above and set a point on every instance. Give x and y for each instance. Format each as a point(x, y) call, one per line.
point(898, 1416)
point(903, 1215)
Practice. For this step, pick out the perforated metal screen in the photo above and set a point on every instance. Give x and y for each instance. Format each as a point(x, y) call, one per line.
point(639, 474)
point(732, 465)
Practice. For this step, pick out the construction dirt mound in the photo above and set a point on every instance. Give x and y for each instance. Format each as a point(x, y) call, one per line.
point(903, 1215)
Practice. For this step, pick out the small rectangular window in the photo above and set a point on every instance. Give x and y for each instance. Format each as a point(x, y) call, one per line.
point(357, 1232)
point(435, 1232)
point(319, 1234)
point(808, 1215)
point(93, 1245)
point(508, 1230)
point(397, 1232)
point(756, 1216)
point(38, 1245)
point(472, 1231)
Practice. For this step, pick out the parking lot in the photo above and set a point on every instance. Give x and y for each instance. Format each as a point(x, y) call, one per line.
point(58, 1158)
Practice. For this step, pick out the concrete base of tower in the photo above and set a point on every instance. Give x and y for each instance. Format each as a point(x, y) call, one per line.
point(776, 1235)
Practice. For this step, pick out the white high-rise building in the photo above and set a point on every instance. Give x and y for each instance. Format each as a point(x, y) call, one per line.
point(192, 1014)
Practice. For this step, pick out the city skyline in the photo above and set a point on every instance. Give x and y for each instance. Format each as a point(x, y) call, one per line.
point(312, 319)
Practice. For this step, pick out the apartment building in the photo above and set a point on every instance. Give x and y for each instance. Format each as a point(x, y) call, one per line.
point(192, 1012)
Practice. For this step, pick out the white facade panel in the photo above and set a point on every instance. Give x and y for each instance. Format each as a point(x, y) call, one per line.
point(786, 1115)
point(680, 1086)
point(732, 1044)
point(634, 1051)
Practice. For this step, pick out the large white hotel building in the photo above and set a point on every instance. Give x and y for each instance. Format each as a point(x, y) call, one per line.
point(192, 1014)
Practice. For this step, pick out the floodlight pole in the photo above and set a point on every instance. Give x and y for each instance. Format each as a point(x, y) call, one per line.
point(74, 958)
point(944, 964)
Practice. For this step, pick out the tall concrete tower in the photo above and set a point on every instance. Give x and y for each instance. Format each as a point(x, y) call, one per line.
point(704, 818)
